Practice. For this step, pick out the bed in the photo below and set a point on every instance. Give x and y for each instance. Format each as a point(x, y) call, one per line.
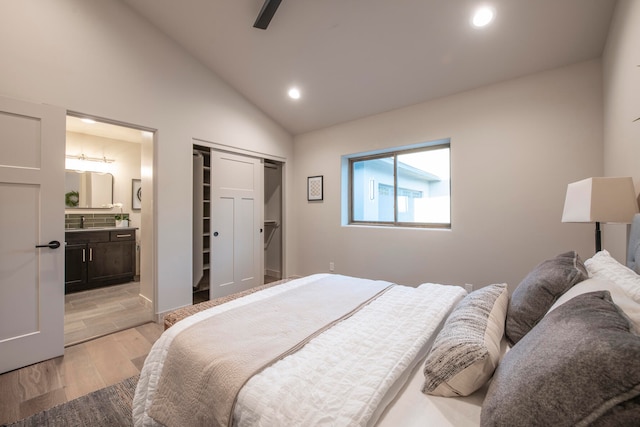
point(562, 349)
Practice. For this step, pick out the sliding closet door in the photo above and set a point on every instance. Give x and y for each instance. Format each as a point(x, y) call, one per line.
point(237, 251)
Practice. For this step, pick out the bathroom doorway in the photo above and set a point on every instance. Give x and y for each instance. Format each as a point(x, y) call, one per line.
point(108, 228)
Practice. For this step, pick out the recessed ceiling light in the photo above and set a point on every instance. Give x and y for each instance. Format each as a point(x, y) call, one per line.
point(294, 93)
point(483, 17)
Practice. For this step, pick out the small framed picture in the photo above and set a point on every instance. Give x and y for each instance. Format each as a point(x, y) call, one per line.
point(136, 194)
point(314, 188)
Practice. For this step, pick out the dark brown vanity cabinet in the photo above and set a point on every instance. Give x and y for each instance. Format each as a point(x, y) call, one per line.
point(96, 258)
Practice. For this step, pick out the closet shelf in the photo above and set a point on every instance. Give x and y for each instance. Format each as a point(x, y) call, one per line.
point(202, 220)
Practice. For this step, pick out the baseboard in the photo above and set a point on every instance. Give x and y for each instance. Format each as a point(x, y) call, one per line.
point(159, 319)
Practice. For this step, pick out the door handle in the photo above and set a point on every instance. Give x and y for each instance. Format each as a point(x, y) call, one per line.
point(54, 244)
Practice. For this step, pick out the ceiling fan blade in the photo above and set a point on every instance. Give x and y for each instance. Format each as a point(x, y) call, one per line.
point(266, 13)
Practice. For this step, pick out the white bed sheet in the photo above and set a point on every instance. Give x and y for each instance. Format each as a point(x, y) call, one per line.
point(412, 408)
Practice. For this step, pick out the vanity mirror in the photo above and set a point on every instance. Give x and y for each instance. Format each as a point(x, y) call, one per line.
point(88, 190)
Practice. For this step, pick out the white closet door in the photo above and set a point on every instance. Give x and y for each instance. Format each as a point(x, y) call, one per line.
point(237, 206)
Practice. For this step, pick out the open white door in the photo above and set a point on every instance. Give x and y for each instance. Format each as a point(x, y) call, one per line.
point(237, 209)
point(32, 144)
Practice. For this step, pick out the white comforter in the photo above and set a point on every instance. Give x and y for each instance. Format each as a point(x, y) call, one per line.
point(342, 377)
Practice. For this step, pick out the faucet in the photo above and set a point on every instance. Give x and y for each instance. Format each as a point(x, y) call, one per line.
point(81, 221)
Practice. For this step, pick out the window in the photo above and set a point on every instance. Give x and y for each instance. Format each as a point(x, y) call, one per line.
point(404, 187)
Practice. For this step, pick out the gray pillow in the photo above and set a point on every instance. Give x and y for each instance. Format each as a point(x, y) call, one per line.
point(578, 366)
point(467, 349)
point(535, 295)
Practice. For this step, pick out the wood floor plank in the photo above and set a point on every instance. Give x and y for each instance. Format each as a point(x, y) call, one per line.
point(110, 360)
point(151, 331)
point(41, 378)
point(139, 362)
point(88, 333)
point(74, 326)
point(42, 402)
point(80, 374)
point(101, 310)
point(133, 318)
point(133, 343)
point(12, 396)
point(75, 307)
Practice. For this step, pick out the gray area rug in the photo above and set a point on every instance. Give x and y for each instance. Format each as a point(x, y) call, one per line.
point(110, 406)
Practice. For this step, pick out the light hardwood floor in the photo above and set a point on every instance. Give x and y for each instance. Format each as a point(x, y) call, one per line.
point(97, 312)
point(84, 368)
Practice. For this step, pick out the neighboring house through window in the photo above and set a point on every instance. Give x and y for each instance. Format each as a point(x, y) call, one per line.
point(407, 186)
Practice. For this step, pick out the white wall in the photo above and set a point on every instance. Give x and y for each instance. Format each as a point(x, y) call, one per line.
point(621, 70)
point(100, 58)
point(514, 148)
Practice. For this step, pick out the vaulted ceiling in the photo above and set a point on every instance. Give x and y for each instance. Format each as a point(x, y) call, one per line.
point(355, 58)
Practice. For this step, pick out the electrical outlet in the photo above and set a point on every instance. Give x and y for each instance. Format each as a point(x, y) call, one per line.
point(331, 266)
point(468, 287)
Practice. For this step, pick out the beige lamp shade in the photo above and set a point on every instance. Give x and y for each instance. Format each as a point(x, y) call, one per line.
point(604, 199)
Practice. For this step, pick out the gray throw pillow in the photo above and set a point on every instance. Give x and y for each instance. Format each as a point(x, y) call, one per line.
point(537, 292)
point(467, 349)
point(578, 366)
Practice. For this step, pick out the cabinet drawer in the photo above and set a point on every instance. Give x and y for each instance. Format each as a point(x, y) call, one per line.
point(86, 236)
point(122, 235)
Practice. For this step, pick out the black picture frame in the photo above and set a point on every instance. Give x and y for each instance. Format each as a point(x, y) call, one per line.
point(315, 188)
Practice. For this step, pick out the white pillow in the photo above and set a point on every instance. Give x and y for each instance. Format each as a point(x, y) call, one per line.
point(467, 349)
point(622, 299)
point(603, 266)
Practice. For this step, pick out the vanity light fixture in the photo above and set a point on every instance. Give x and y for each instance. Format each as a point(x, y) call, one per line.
point(482, 17)
point(87, 120)
point(84, 163)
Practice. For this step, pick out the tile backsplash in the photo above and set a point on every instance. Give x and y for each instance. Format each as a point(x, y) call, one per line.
point(91, 220)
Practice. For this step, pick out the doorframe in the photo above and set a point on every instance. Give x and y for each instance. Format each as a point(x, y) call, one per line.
point(148, 271)
point(264, 156)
